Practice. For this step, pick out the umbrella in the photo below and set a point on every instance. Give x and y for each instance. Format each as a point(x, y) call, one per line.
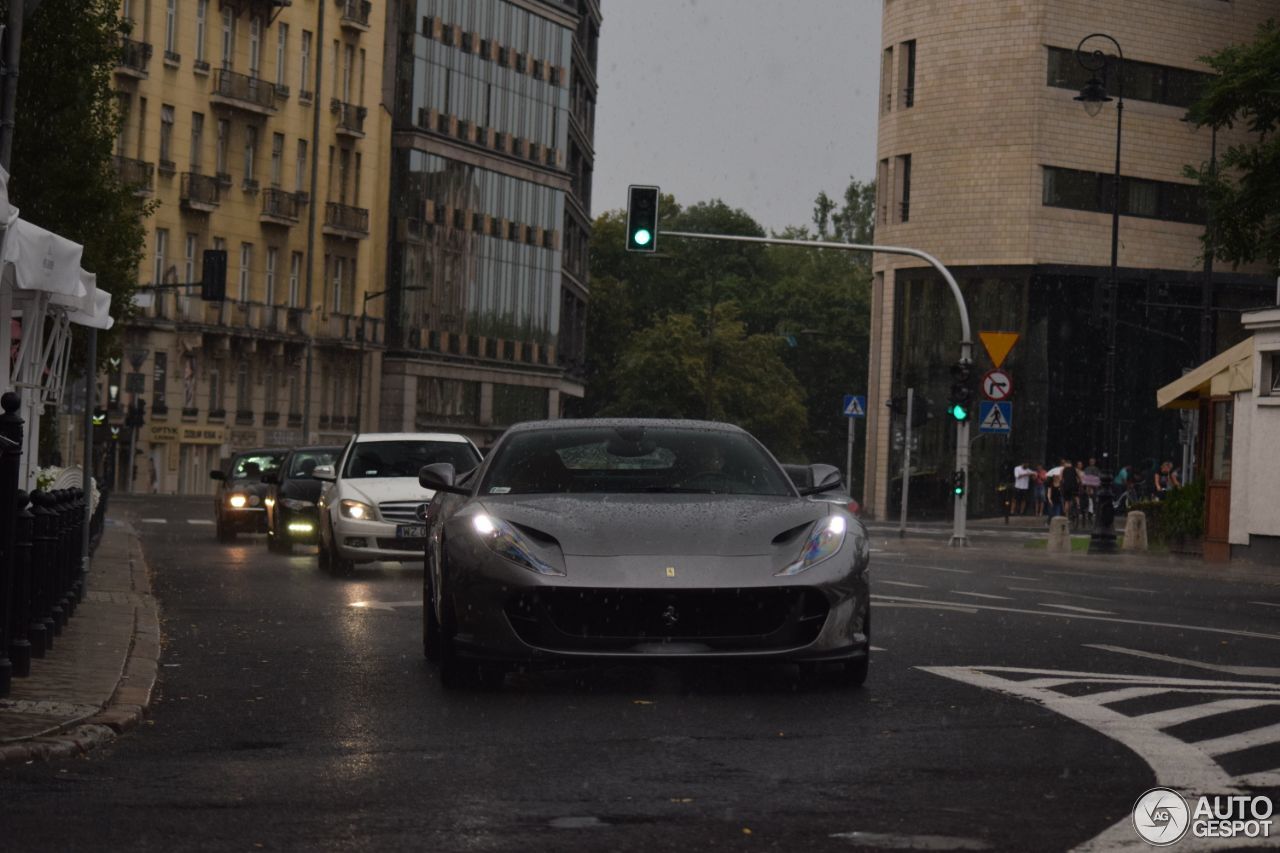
point(1055, 471)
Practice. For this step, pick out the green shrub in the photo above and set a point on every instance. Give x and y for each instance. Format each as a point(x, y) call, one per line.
point(1177, 518)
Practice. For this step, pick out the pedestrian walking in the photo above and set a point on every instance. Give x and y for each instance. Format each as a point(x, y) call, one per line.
point(1022, 475)
point(1070, 480)
point(1038, 487)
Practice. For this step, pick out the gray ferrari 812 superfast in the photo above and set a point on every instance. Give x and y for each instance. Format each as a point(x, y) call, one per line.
point(631, 539)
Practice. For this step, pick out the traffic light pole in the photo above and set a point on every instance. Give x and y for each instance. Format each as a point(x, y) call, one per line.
point(959, 538)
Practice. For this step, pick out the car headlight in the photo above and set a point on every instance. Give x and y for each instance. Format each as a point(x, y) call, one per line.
point(355, 509)
point(269, 501)
point(823, 543)
point(300, 504)
point(237, 501)
point(508, 543)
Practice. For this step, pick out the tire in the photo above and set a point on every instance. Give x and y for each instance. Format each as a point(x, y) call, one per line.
point(853, 673)
point(225, 534)
point(431, 639)
point(455, 672)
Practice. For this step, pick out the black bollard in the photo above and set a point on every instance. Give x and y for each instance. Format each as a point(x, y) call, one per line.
point(63, 508)
point(20, 647)
point(77, 536)
point(42, 564)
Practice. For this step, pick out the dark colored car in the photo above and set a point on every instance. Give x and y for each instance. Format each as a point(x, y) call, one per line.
point(639, 539)
point(292, 517)
point(239, 504)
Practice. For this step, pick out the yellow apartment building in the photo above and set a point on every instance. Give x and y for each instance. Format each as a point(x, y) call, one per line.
point(258, 128)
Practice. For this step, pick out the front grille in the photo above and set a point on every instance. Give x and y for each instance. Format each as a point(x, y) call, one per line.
point(569, 619)
point(392, 543)
point(405, 512)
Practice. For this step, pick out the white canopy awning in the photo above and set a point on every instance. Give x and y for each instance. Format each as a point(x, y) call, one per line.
point(93, 309)
point(8, 213)
point(37, 259)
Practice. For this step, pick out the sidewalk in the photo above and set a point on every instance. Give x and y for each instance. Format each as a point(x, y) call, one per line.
point(97, 680)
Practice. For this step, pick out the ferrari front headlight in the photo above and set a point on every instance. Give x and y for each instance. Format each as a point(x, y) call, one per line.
point(503, 539)
point(822, 544)
point(355, 509)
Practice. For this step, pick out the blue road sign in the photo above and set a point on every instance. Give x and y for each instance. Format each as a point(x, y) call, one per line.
point(855, 406)
point(995, 417)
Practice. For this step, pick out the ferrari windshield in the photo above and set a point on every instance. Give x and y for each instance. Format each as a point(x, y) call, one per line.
point(633, 459)
point(405, 458)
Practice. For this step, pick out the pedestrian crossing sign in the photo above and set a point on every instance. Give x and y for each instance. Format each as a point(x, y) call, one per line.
point(855, 406)
point(995, 416)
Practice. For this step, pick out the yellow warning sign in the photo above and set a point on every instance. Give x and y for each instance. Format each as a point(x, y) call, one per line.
point(998, 344)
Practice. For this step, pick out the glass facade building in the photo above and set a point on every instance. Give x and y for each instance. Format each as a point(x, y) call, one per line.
point(493, 103)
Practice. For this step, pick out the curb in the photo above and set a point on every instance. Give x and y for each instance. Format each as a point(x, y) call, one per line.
point(128, 704)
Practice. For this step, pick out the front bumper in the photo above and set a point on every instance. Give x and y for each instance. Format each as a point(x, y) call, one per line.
point(248, 519)
point(604, 610)
point(363, 541)
point(299, 525)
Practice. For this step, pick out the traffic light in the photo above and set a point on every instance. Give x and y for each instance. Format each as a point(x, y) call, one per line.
point(642, 219)
point(961, 393)
point(957, 484)
point(99, 416)
point(213, 278)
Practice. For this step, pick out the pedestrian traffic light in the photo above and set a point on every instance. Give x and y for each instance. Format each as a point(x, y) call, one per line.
point(213, 278)
point(961, 393)
point(99, 416)
point(957, 484)
point(642, 219)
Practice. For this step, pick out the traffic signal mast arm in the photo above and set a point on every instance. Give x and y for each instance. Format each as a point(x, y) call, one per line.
point(958, 535)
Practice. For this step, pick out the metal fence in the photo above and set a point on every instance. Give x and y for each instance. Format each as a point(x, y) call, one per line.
point(41, 573)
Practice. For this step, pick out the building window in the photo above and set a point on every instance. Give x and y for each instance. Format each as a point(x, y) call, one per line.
point(282, 41)
point(224, 145)
point(215, 392)
point(1076, 189)
point(159, 375)
point(189, 261)
point(166, 136)
point(295, 394)
point(270, 393)
point(171, 26)
point(1143, 81)
point(255, 46)
point(295, 274)
point(162, 253)
point(1271, 383)
point(902, 187)
point(886, 81)
point(338, 264)
point(305, 73)
point(882, 192)
point(202, 13)
point(250, 151)
point(197, 140)
point(300, 183)
point(244, 400)
point(269, 276)
point(907, 74)
point(277, 158)
point(228, 37)
point(246, 269)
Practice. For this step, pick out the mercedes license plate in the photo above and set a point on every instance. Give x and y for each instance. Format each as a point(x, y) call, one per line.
point(411, 531)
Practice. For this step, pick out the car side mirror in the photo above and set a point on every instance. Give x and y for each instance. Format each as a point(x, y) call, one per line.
point(324, 472)
point(439, 477)
point(826, 478)
point(217, 475)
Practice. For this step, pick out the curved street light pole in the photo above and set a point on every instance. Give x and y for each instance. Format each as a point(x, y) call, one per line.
point(1093, 96)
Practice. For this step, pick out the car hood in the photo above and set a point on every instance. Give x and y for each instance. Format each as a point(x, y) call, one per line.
point(693, 525)
point(307, 490)
point(375, 490)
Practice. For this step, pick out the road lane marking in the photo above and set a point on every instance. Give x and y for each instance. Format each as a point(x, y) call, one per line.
point(903, 583)
point(887, 841)
point(1074, 609)
point(1176, 716)
point(887, 600)
point(1043, 591)
point(1020, 578)
point(154, 520)
point(201, 521)
point(1265, 603)
point(1189, 767)
point(937, 568)
point(1135, 589)
point(877, 649)
point(1255, 671)
point(951, 606)
point(982, 595)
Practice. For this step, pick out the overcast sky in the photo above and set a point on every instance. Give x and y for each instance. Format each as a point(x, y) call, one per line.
point(761, 103)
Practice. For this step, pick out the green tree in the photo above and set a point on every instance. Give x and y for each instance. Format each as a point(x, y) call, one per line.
point(1243, 193)
point(66, 123)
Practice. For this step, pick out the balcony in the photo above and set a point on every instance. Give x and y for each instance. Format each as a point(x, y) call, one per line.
point(138, 175)
point(280, 207)
point(355, 15)
point(350, 118)
point(134, 58)
point(343, 221)
point(199, 192)
point(242, 92)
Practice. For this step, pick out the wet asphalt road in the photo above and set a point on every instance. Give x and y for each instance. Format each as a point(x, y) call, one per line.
point(295, 712)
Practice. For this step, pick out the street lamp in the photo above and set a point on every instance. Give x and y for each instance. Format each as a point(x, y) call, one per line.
point(364, 316)
point(1093, 96)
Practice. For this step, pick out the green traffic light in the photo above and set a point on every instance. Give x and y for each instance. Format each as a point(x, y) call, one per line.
point(959, 490)
point(959, 412)
point(641, 237)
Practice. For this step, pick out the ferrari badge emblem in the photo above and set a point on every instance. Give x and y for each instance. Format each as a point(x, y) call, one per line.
point(671, 571)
